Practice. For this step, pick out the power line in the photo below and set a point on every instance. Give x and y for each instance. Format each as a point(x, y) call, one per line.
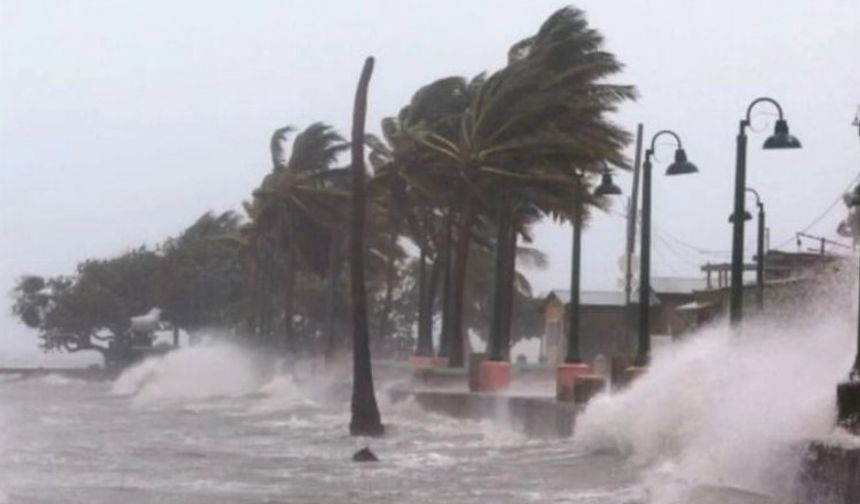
point(692, 247)
point(677, 254)
point(822, 214)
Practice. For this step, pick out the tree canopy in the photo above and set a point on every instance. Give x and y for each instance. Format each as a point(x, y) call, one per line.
point(457, 176)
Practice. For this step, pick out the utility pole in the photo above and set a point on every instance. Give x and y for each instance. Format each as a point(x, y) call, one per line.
point(632, 214)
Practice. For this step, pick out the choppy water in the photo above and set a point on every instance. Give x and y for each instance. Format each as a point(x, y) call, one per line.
point(202, 425)
point(78, 442)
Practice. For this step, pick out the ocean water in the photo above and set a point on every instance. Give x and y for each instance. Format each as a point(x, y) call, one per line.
point(720, 418)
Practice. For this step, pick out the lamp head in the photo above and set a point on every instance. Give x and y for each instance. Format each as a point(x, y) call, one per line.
point(681, 166)
point(781, 138)
point(855, 197)
point(607, 187)
point(747, 216)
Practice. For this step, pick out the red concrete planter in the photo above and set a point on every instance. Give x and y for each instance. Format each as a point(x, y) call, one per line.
point(494, 376)
point(440, 361)
point(420, 362)
point(565, 378)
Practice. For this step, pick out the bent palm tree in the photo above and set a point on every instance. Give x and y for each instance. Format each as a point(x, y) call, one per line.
point(531, 135)
point(365, 419)
point(297, 206)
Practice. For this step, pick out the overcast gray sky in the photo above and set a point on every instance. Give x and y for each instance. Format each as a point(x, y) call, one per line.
point(121, 122)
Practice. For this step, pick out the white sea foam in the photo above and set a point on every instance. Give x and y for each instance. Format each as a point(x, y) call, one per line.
point(192, 373)
point(279, 393)
point(9, 378)
point(727, 409)
point(56, 380)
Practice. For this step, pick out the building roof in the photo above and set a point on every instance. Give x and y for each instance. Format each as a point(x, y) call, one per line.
point(598, 298)
point(677, 285)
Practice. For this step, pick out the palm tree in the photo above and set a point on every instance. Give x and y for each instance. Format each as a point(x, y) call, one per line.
point(407, 195)
point(330, 303)
point(365, 413)
point(200, 274)
point(433, 182)
point(298, 207)
point(569, 55)
point(530, 133)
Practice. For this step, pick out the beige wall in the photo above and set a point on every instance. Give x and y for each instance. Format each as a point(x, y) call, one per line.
point(554, 326)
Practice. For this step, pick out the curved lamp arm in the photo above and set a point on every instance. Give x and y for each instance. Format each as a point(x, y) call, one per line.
point(661, 133)
point(755, 193)
point(761, 100)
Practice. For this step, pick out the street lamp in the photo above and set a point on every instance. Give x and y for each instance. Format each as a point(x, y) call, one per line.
point(606, 188)
point(679, 167)
point(759, 266)
point(856, 121)
point(573, 365)
point(780, 139)
point(848, 392)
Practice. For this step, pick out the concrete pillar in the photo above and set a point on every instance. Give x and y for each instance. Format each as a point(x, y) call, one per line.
point(565, 378)
point(475, 361)
point(494, 376)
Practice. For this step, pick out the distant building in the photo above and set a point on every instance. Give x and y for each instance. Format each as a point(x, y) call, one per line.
point(794, 282)
point(603, 323)
point(607, 325)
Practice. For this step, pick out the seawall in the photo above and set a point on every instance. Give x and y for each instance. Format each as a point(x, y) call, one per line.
point(533, 416)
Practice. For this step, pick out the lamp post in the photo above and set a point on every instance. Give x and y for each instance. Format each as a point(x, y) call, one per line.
point(759, 266)
point(780, 139)
point(679, 167)
point(573, 365)
point(606, 188)
point(848, 392)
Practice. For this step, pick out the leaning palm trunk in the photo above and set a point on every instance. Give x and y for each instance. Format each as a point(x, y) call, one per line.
point(500, 328)
point(390, 270)
point(456, 357)
point(251, 293)
point(332, 274)
point(289, 343)
point(365, 413)
point(510, 273)
point(445, 265)
point(426, 292)
point(264, 275)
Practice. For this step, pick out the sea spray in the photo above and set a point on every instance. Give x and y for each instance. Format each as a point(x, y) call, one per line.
point(282, 392)
point(192, 373)
point(725, 408)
